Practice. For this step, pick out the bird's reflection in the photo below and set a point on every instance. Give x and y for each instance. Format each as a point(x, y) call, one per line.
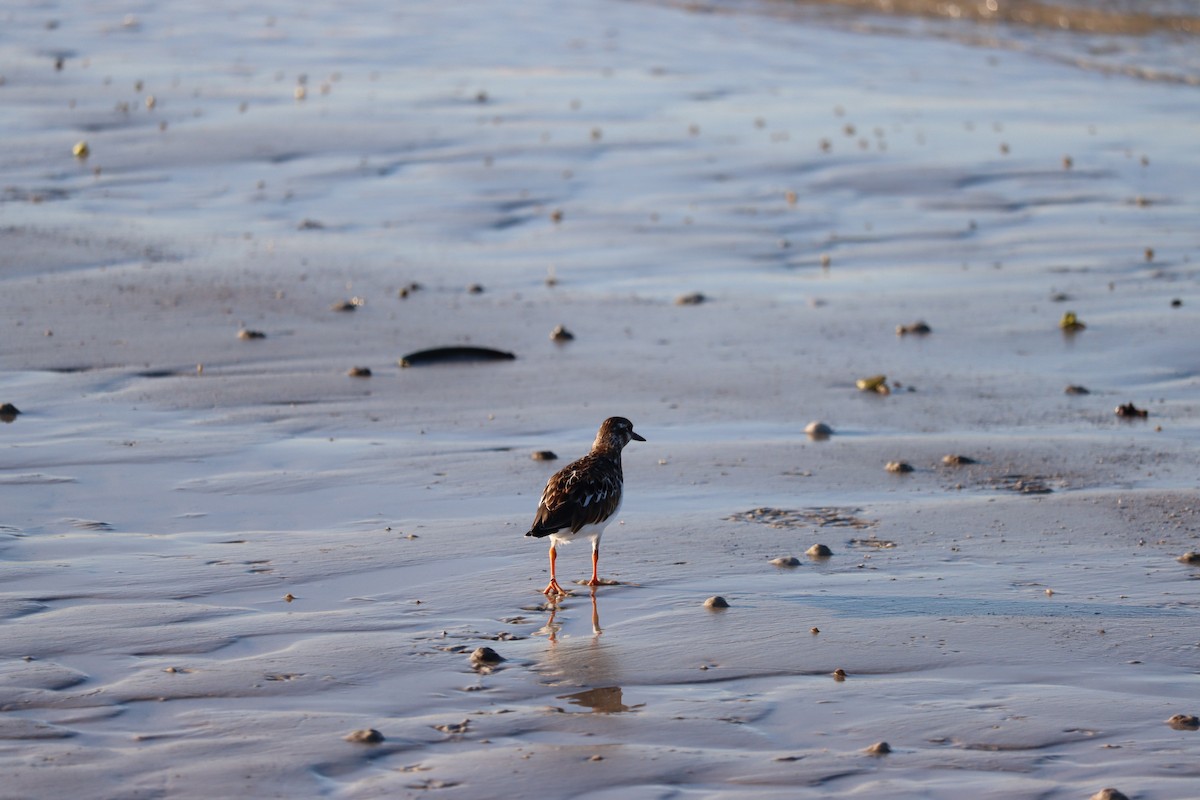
point(552, 627)
point(604, 700)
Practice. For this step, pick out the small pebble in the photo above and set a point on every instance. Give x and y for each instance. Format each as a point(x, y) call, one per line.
point(1131, 411)
point(818, 430)
point(875, 383)
point(1176, 303)
point(9, 412)
point(475, 288)
point(556, 216)
point(918, 328)
point(1071, 323)
point(486, 656)
point(839, 674)
point(359, 372)
point(347, 305)
point(364, 736)
point(716, 601)
point(898, 466)
point(561, 334)
point(786, 561)
point(596, 758)
point(1184, 722)
point(543, 455)
point(1190, 557)
point(81, 150)
point(818, 551)
point(693, 299)
point(1109, 794)
point(814, 630)
point(879, 749)
point(289, 597)
point(246, 333)
point(957, 460)
point(1074, 389)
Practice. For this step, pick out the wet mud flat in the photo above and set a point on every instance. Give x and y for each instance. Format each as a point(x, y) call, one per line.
point(246, 551)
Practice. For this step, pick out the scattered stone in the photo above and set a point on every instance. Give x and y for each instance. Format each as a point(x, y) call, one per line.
point(454, 728)
point(875, 383)
point(1190, 557)
point(289, 597)
point(957, 460)
point(839, 674)
point(693, 299)
point(347, 305)
point(716, 601)
point(898, 466)
point(1129, 410)
point(918, 328)
point(878, 749)
point(81, 150)
point(814, 630)
point(8, 412)
point(364, 736)
point(818, 430)
point(556, 216)
point(246, 333)
point(1071, 323)
point(485, 657)
point(359, 372)
point(1109, 794)
point(310, 225)
point(1184, 722)
point(786, 561)
point(1176, 303)
point(561, 334)
point(1075, 389)
point(475, 288)
point(405, 291)
point(1149, 254)
point(543, 455)
point(826, 260)
point(440, 355)
point(818, 551)
point(596, 757)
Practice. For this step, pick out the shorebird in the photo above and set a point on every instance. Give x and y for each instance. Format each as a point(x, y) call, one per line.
point(584, 496)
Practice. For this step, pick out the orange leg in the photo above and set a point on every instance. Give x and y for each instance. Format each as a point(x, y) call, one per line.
point(553, 588)
point(595, 581)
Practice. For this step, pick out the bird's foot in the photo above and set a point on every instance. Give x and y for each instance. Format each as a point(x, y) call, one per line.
point(554, 590)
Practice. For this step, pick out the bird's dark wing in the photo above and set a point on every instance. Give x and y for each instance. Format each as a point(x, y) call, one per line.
point(584, 492)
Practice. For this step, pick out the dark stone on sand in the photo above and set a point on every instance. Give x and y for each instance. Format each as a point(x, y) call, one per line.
point(246, 333)
point(818, 551)
point(359, 372)
point(1184, 722)
point(716, 601)
point(561, 334)
point(486, 656)
point(543, 455)
point(345, 305)
point(364, 736)
point(475, 288)
point(839, 674)
point(8, 412)
point(1176, 303)
point(693, 299)
point(918, 328)
point(1190, 557)
point(898, 466)
point(879, 749)
point(1130, 411)
point(957, 460)
point(1074, 389)
point(786, 561)
point(459, 355)
point(1109, 793)
point(1070, 323)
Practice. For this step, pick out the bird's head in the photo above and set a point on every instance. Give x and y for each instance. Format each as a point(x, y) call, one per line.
point(615, 433)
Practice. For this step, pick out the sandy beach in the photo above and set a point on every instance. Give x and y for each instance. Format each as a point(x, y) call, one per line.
point(222, 556)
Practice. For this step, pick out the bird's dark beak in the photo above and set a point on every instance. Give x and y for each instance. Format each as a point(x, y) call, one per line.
point(633, 435)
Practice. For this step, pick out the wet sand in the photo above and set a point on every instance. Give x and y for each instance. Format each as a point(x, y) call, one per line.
point(222, 556)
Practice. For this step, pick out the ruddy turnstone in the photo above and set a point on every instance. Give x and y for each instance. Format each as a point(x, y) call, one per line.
point(584, 496)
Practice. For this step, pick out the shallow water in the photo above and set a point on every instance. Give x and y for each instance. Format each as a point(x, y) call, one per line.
point(1016, 626)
